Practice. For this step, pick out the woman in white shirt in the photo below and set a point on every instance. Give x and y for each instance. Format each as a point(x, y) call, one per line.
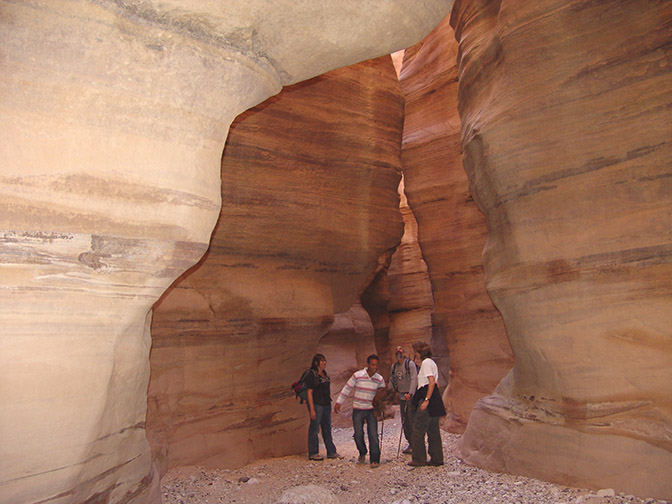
point(429, 409)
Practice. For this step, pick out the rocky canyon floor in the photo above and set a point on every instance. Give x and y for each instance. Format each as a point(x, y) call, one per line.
point(393, 482)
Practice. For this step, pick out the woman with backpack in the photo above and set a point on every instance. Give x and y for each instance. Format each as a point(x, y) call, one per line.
point(319, 406)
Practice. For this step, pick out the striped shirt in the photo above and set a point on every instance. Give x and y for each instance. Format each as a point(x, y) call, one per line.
point(365, 388)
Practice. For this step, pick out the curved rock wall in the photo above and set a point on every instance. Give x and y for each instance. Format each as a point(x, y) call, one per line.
point(399, 306)
point(114, 118)
point(451, 228)
point(347, 344)
point(309, 203)
point(411, 301)
point(566, 139)
point(399, 299)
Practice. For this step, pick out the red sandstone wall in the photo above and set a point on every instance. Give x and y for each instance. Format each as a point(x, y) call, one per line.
point(309, 203)
point(451, 229)
point(566, 129)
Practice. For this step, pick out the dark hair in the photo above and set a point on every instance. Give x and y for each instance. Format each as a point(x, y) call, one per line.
point(317, 358)
point(371, 357)
point(422, 349)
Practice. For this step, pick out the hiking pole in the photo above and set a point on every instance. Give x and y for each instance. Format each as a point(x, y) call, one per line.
point(382, 430)
point(401, 431)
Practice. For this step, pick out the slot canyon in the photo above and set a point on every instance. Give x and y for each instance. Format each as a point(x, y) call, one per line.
point(196, 197)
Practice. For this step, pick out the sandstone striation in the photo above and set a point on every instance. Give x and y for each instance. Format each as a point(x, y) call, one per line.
point(399, 299)
point(411, 301)
point(114, 119)
point(566, 139)
point(309, 204)
point(451, 228)
point(346, 346)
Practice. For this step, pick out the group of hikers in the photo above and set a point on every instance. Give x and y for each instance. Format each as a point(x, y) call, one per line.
point(420, 404)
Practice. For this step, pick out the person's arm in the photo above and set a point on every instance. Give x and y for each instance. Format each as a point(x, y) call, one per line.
point(310, 386)
point(311, 404)
point(430, 389)
point(413, 370)
point(345, 392)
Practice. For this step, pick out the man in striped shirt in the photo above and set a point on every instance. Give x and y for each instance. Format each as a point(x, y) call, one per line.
point(365, 383)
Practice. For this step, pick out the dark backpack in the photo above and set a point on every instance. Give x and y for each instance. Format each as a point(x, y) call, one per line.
point(300, 388)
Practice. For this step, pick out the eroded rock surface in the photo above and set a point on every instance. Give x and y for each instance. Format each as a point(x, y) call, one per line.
point(347, 344)
point(399, 299)
point(309, 203)
point(452, 229)
point(566, 139)
point(411, 301)
point(114, 118)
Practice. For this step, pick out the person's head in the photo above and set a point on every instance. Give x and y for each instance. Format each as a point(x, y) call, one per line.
point(399, 354)
point(372, 363)
point(317, 358)
point(422, 350)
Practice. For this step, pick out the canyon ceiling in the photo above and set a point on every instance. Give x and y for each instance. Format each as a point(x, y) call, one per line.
point(534, 139)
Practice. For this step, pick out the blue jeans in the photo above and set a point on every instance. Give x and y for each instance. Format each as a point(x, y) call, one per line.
point(322, 420)
point(358, 419)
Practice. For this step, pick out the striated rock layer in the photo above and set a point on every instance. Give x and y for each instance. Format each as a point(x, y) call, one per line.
point(565, 111)
point(399, 299)
point(411, 302)
point(346, 346)
point(114, 116)
point(395, 308)
point(309, 203)
point(452, 229)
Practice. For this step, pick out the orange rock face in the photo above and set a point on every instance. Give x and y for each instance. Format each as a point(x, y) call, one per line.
point(411, 301)
point(309, 203)
point(566, 139)
point(452, 229)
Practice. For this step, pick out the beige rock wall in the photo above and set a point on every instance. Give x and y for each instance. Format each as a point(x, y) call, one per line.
point(566, 139)
point(451, 229)
point(309, 203)
point(114, 116)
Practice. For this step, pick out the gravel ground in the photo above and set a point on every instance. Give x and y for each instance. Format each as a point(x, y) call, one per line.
point(393, 482)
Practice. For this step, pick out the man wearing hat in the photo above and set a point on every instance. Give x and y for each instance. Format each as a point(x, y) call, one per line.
point(404, 381)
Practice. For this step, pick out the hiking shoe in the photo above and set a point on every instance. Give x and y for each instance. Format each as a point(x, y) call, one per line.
point(334, 456)
point(413, 463)
point(407, 450)
point(374, 465)
point(361, 459)
point(317, 456)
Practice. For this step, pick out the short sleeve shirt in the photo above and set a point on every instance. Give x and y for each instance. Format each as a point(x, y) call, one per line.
point(428, 368)
point(321, 386)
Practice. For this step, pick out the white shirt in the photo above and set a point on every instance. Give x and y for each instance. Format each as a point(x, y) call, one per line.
point(428, 368)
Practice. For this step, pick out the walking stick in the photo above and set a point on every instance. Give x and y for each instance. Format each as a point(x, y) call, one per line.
point(401, 431)
point(382, 430)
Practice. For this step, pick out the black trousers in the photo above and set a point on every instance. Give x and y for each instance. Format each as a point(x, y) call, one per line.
point(407, 412)
point(426, 425)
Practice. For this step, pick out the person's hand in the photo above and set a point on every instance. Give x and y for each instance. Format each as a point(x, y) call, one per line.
point(423, 405)
point(313, 416)
point(337, 408)
point(407, 396)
